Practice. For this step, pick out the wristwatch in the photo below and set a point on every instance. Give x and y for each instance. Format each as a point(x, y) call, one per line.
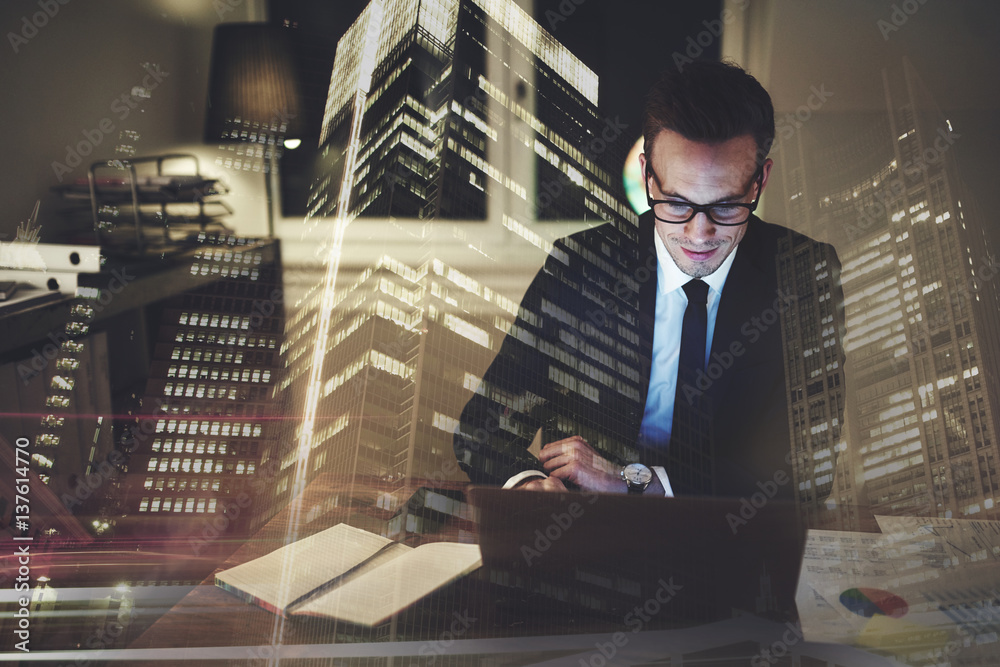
point(636, 477)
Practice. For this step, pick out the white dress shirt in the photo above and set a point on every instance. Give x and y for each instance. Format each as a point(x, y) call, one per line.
point(671, 302)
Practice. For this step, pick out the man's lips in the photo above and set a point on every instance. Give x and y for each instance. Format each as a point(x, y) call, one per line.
point(699, 256)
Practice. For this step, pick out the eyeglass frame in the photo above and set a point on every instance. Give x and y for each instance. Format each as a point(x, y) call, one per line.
point(706, 208)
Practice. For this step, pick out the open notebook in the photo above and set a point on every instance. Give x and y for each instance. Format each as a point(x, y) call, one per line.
point(349, 574)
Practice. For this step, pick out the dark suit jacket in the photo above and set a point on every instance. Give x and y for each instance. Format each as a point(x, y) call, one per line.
point(577, 361)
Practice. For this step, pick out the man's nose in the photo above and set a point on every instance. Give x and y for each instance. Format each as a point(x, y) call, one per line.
point(700, 228)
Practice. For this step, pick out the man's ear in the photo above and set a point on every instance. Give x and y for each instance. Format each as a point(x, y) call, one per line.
point(765, 172)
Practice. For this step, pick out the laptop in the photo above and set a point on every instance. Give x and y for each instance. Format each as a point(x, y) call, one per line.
point(700, 559)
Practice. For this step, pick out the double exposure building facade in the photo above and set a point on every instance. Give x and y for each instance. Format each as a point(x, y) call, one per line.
point(444, 110)
point(921, 310)
point(205, 418)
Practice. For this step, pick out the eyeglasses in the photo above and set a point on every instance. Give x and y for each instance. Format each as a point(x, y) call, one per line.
point(678, 211)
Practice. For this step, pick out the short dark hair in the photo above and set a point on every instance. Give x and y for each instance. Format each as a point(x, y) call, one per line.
point(711, 102)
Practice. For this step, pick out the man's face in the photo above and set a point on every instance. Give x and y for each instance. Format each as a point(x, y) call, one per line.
point(702, 173)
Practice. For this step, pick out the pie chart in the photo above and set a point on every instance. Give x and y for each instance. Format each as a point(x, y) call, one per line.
point(871, 602)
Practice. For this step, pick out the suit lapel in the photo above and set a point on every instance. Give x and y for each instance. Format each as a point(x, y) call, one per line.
point(742, 299)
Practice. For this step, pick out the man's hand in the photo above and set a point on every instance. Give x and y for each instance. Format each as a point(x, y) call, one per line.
point(573, 460)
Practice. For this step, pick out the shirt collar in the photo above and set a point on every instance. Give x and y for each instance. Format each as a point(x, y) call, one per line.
point(670, 278)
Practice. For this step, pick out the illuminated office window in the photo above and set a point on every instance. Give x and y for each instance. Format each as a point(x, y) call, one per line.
point(47, 439)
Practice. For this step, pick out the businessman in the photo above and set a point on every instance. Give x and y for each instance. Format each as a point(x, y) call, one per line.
point(651, 360)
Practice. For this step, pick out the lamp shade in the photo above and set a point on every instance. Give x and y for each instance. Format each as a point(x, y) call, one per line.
point(252, 84)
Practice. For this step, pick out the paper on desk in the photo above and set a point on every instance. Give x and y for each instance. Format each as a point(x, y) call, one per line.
point(965, 541)
point(868, 590)
point(969, 590)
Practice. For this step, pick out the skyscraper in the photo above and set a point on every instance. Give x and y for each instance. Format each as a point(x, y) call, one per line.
point(204, 420)
point(437, 110)
point(423, 92)
point(921, 306)
point(814, 373)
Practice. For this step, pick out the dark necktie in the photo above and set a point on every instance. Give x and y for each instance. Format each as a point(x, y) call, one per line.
point(689, 457)
point(693, 335)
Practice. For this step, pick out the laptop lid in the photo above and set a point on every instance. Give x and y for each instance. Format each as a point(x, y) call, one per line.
point(712, 555)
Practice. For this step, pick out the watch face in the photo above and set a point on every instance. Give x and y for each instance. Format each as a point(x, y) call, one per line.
point(636, 473)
